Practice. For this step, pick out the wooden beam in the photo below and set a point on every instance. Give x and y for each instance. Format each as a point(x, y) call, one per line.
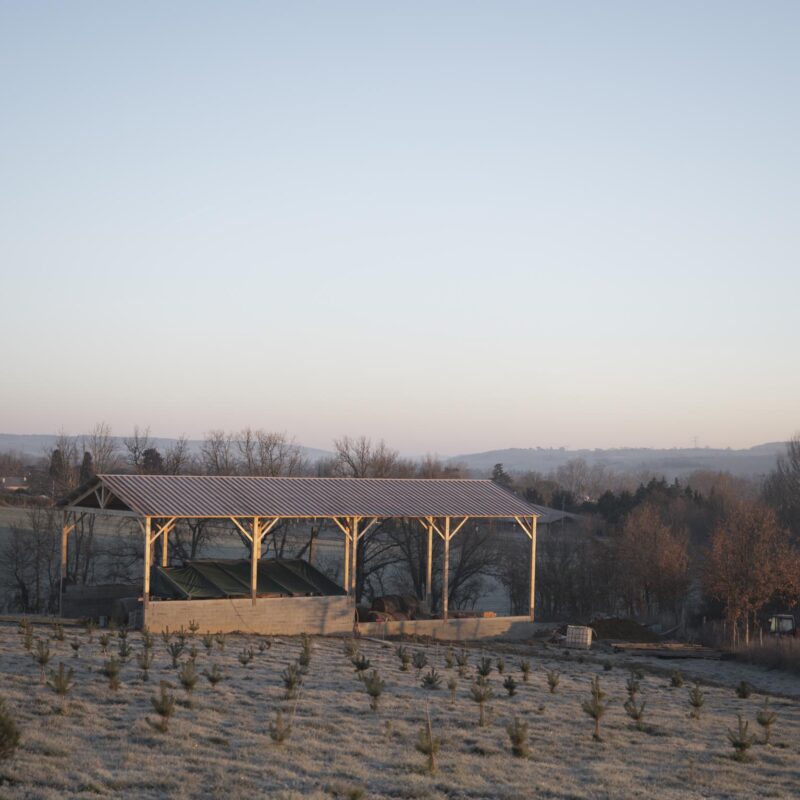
point(533, 567)
point(165, 544)
point(429, 569)
point(354, 570)
point(147, 559)
point(254, 555)
point(446, 568)
point(246, 533)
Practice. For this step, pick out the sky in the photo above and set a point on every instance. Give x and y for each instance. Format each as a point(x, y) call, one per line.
point(457, 226)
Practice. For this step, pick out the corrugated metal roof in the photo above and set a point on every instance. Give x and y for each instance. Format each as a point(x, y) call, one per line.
point(235, 496)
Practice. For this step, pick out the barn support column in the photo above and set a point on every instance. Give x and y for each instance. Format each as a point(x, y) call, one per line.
point(66, 529)
point(354, 566)
point(148, 558)
point(165, 547)
point(429, 569)
point(530, 532)
point(446, 569)
point(255, 553)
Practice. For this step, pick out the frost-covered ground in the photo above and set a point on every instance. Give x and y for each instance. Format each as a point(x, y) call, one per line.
point(220, 747)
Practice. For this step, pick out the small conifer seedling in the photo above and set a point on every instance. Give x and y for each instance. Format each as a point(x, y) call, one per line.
point(214, 675)
point(58, 632)
point(696, 700)
point(741, 740)
point(525, 668)
point(246, 656)
point(75, 644)
point(449, 658)
point(188, 677)
point(743, 690)
point(510, 685)
point(553, 678)
point(164, 706)
point(42, 655)
point(594, 707)
point(676, 679)
point(501, 665)
point(405, 658)
point(361, 664)
point(462, 660)
point(175, 650)
point(452, 685)
point(9, 733)
point(208, 642)
point(484, 667)
point(292, 680)
point(145, 661)
point(481, 693)
point(374, 686)
point(431, 680)
point(61, 682)
point(104, 640)
point(518, 733)
point(420, 661)
point(635, 712)
point(220, 640)
point(281, 729)
point(111, 670)
point(766, 719)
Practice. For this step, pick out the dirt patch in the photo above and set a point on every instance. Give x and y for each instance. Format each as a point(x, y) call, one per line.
point(626, 630)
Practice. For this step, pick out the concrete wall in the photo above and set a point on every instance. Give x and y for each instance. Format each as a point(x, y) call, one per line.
point(269, 616)
point(456, 629)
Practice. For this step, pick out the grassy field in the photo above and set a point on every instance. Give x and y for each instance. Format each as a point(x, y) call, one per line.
point(219, 744)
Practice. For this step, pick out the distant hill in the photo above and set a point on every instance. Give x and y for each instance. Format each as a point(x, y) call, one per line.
point(36, 445)
point(672, 463)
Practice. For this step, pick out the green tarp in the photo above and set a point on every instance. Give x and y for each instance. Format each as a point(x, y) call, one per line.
point(210, 579)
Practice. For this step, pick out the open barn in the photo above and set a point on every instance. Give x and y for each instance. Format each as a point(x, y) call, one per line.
point(264, 597)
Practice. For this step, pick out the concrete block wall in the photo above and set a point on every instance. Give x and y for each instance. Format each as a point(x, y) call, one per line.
point(270, 616)
point(454, 630)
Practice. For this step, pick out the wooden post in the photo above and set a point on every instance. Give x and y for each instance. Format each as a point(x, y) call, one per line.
point(533, 566)
point(165, 545)
point(347, 563)
point(148, 557)
point(429, 569)
point(354, 572)
point(64, 543)
point(446, 567)
point(255, 554)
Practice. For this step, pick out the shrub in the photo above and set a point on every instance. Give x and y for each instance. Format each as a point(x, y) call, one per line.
point(208, 642)
point(246, 656)
point(27, 638)
point(594, 707)
point(122, 634)
point(636, 713)
point(181, 635)
point(61, 682)
point(553, 677)
point(280, 730)
point(741, 740)
point(111, 670)
point(194, 626)
point(214, 675)
point(104, 640)
point(676, 679)
point(452, 685)
point(374, 686)
point(145, 661)
point(510, 685)
point(42, 655)
point(9, 733)
point(75, 644)
point(462, 660)
point(58, 632)
point(428, 744)
point(166, 636)
point(518, 733)
point(766, 719)
point(405, 658)
point(124, 649)
point(431, 679)
point(164, 706)
point(632, 685)
point(361, 664)
point(220, 640)
point(305, 653)
point(501, 665)
point(743, 690)
point(696, 700)
point(147, 639)
point(525, 668)
point(175, 650)
point(350, 648)
point(449, 657)
point(420, 661)
point(481, 693)
point(188, 677)
point(292, 680)
point(484, 667)
point(91, 627)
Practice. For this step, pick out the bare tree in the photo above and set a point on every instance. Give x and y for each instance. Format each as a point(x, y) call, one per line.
point(136, 446)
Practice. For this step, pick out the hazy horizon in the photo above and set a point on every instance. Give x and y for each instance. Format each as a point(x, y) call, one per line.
point(454, 226)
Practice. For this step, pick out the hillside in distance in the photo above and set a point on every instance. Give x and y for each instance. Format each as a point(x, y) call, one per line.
point(671, 463)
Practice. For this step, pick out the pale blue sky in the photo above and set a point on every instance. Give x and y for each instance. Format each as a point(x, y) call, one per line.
point(455, 225)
